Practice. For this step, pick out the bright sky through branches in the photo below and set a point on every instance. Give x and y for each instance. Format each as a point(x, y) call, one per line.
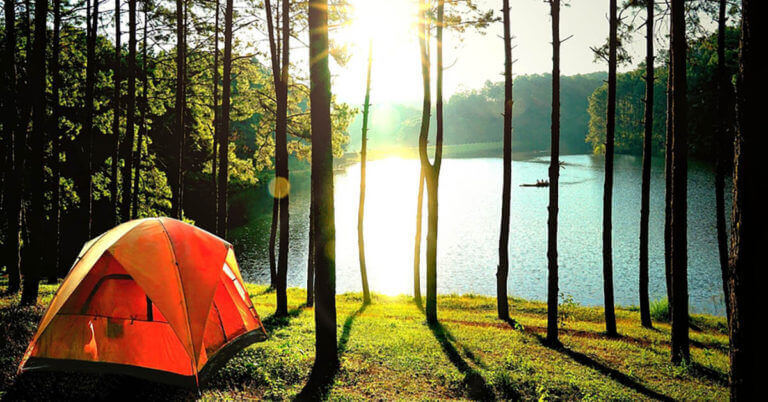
point(473, 58)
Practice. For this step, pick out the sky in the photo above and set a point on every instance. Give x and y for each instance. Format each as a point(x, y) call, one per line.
point(473, 58)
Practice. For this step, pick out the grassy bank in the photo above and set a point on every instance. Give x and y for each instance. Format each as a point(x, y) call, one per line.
point(388, 351)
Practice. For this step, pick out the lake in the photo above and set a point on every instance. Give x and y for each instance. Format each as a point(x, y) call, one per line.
point(469, 210)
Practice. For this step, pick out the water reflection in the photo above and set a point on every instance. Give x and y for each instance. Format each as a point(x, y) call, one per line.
point(470, 193)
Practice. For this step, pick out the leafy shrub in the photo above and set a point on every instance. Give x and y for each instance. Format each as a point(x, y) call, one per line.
point(660, 310)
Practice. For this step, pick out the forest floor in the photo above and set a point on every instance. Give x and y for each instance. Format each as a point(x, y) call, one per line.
point(387, 351)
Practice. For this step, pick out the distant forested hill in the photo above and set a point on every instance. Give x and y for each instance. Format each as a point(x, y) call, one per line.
point(474, 116)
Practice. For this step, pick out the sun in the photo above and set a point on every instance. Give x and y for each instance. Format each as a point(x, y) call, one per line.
point(390, 27)
point(388, 24)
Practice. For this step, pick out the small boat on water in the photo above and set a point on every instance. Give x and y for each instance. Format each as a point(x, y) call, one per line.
point(539, 183)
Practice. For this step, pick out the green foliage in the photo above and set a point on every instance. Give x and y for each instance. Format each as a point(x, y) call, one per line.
point(474, 116)
point(702, 102)
point(660, 310)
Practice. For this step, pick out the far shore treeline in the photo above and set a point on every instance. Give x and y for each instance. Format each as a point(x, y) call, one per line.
point(472, 117)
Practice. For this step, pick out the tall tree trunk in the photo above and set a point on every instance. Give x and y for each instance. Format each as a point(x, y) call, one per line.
point(721, 144)
point(326, 356)
point(363, 155)
point(311, 253)
point(610, 131)
point(281, 168)
point(52, 264)
point(645, 312)
point(554, 176)
point(83, 178)
point(275, 59)
point(679, 226)
point(748, 237)
point(226, 90)
point(176, 179)
point(417, 240)
point(143, 124)
point(216, 119)
point(15, 150)
point(668, 188)
point(432, 170)
point(113, 185)
point(425, 113)
point(502, 272)
point(125, 206)
point(34, 266)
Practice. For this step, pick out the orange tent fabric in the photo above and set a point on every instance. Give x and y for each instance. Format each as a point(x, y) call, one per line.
point(155, 298)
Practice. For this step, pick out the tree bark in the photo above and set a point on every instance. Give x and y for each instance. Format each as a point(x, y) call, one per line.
point(432, 170)
point(281, 166)
point(275, 59)
point(113, 184)
point(52, 263)
point(554, 174)
point(748, 236)
point(226, 89)
point(176, 177)
point(83, 179)
point(216, 120)
point(363, 155)
point(417, 240)
point(125, 207)
point(721, 144)
point(326, 356)
point(15, 151)
point(34, 266)
point(678, 223)
point(502, 273)
point(143, 124)
point(610, 132)
point(668, 189)
point(645, 312)
point(311, 254)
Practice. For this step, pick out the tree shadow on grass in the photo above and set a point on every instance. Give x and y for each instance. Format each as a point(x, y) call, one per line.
point(476, 385)
point(273, 322)
point(321, 379)
point(614, 374)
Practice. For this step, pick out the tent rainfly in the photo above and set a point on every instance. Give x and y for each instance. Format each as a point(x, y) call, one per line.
point(152, 298)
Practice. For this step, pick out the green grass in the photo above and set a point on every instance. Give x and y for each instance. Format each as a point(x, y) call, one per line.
point(387, 351)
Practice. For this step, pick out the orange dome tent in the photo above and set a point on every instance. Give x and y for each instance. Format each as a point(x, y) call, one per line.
point(152, 298)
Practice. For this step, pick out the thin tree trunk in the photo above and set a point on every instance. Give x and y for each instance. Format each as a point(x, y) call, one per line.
point(281, 168)
point(645, 313)
point(275, 59)
point(216, 120)
point(83, 178)
point(554, 175)
point(668, 188)
point(610, 130)
point(502, 273)
point(226, 89)
point(720, 144)
point(113, 185)
point(55, 137)
point(34, 266)
point(143, 123)
point(326, 352)
point(125, 210)
point(176, 180)
point(748, 237)
point(417, 240)
point(363, 155)
point(311, 253)
point(678, 223)
point(15, 150)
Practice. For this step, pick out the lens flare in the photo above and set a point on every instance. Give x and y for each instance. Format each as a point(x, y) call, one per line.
point(279, 187)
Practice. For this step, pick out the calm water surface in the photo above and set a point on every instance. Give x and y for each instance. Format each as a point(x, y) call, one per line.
point(470, 198)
